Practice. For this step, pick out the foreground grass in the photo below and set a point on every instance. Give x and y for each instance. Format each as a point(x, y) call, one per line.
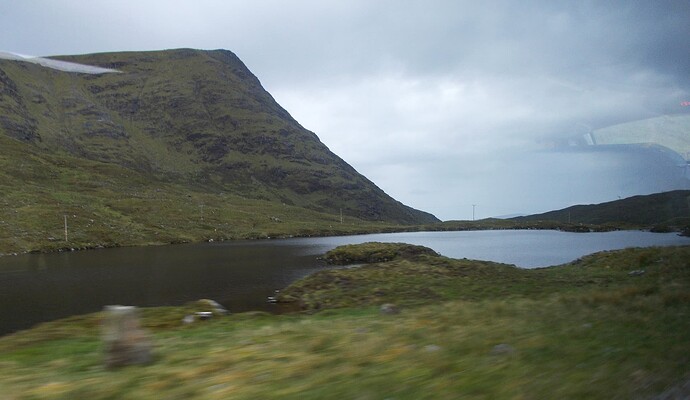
point(588, 330)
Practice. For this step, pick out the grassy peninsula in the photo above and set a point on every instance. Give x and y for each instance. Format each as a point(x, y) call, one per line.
point(610, 325)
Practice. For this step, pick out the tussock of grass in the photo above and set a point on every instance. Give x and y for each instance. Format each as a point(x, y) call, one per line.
point(581, 331)
point(417, 277)
point(375, 252)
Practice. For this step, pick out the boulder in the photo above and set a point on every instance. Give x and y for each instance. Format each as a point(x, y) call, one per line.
point(432, 348)
point(204, 315)
point(214, 306)
point(125, 341)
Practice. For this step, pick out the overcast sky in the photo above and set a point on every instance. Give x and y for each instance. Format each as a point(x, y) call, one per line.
point(443, 104)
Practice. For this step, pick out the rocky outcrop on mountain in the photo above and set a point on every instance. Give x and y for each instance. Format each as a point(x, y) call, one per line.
point(193, 117)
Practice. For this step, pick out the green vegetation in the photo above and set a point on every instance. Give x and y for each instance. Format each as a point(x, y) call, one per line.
point(374, 252)
point(180, 145)
point(186, 145)
point(665, 211)
point(518, 223)
point(467, 329)
point(108, 205)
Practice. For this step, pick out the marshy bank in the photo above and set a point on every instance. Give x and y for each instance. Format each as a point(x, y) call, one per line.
point(242, 274)
point(591, 329)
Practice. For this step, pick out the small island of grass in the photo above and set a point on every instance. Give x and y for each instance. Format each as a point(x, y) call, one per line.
point(610, 325)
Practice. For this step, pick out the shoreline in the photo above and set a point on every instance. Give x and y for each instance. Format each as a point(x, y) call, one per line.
point(596, 328)
point(447, 226)
point(286, 305)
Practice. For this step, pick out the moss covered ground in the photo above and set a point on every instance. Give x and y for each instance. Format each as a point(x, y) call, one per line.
point(467, 329)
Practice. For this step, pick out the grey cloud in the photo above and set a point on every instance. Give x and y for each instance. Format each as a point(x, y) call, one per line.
point(442, 103)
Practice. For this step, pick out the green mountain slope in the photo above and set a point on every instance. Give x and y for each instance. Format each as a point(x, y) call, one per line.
point(195, 122)
point(660, 208)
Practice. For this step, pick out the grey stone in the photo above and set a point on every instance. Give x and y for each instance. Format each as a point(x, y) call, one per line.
point(431, 348)
point(125, 341)
point(204, 315)
point(215, 307)
point(389, 309)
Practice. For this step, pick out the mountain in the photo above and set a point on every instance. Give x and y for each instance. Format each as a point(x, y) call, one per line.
point(671, 208)
point(189, 123)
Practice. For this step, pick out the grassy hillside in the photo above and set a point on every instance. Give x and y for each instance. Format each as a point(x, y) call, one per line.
point(668, 208)
point(109, 205)
point(466, 329)
point(179, 145)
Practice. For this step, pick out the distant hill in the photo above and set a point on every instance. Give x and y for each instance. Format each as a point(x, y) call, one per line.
point(180, 129)
point(661, 208)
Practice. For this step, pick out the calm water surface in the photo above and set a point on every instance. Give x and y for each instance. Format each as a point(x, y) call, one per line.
point(240, 275)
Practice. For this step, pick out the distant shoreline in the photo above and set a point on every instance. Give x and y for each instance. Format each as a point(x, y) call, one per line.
point(447, 226)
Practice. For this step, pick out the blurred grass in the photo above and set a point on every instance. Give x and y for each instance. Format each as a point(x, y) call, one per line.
point(586, 330)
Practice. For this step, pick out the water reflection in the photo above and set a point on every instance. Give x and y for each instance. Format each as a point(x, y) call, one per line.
point(240, 275)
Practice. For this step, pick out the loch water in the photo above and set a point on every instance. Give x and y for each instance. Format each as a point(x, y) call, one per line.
point(241, 274)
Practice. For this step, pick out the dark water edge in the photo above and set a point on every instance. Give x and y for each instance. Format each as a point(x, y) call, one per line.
point(241, 274)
